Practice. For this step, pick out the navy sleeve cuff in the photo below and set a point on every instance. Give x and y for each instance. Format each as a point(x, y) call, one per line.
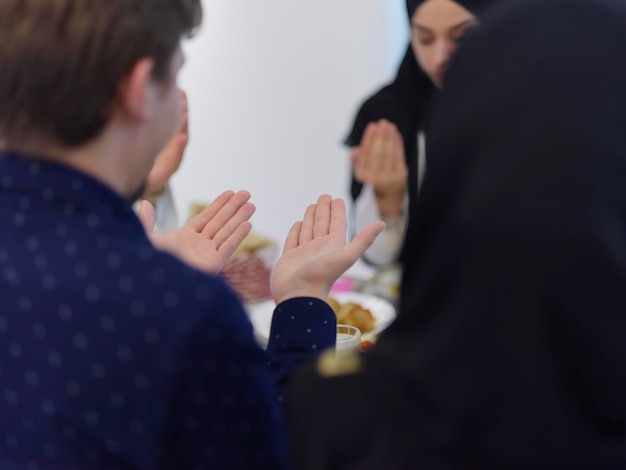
point(302, 324)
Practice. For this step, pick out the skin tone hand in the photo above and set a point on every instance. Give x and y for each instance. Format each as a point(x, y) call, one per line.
point(168, 161)
point(210, 238)
point(380, 162)
point(315, 252)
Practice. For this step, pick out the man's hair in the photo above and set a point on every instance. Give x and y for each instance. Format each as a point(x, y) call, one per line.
point(62, 61)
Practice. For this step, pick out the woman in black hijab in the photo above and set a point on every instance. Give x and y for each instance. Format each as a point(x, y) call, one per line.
point(384, 139)
point(517, 358)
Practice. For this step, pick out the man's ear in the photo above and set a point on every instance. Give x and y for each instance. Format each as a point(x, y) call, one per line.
point(135, 93)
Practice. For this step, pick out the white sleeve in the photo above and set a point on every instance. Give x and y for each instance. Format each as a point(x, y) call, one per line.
point(166, 216)
point(165, 211)
point(386, 248)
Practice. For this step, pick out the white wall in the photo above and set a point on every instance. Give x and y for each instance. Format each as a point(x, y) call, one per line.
point(273, 87)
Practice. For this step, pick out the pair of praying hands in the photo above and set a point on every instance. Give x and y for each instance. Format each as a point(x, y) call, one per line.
point(380, 162)
point(315, 253)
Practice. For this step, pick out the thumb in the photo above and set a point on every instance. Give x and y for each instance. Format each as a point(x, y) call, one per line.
point(364, 239)
point(147, 216)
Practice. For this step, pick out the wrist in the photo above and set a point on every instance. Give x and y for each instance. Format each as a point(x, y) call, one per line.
point(311, 292)
point(390, 205)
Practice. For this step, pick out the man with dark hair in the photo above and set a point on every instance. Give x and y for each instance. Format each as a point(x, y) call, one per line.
point(113, 354)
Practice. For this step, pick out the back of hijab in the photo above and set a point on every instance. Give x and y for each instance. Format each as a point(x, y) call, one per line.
point(514, 302)
point(510, 350)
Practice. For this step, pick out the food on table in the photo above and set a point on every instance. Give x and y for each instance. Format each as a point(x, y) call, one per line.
point(354, 314)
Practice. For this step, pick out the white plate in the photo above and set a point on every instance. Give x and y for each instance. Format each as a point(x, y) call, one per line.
point(261, 313)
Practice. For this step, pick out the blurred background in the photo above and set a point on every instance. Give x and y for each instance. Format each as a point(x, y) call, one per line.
point(273, 87)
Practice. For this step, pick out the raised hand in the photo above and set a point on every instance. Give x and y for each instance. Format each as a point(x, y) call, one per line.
point(380, 162)
point(315, 252)
point(170, 158)
point(210, 238)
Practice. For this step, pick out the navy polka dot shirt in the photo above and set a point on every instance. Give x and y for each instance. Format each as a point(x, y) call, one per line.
point(116, 356)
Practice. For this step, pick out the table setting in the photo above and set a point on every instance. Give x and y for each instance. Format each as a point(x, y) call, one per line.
point(363, 300)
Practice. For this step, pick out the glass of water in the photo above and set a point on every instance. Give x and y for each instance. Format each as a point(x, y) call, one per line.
point(348, 339)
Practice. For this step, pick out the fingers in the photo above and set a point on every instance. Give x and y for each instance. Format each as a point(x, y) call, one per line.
point(317, 219)
point(227, 226)
point(203, 218)
point(326, 216)
point(184, 127)
point(338, 221)
point(147, 216)
point(225, 221)
point(364, 239)
point(322, 216)
point(171, 156)
point(397, 157)
point(175, 151)
point(306, 231)
point(182, 136)
point(232, 242)
point(368, 135)
point(382, 148)
point(293, 237)
point(184, 100)
point(391, 146)
point(231, 211)
point(181, 142)
point(221, 218)
point(389, 151)
point(370, 146)
point(379, 149)
point(380, 161)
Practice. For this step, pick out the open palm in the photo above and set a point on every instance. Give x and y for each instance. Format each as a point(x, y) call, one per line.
point(315, 252)
point(208, 240)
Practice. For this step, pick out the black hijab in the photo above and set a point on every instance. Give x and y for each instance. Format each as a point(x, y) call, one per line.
point(510, 351)
point(475, 6)
point(404, 102)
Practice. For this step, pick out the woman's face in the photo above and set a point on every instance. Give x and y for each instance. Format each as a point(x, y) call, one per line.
point(437, 28)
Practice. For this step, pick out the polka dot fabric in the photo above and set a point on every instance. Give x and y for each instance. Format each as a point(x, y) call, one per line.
point(116, 356)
